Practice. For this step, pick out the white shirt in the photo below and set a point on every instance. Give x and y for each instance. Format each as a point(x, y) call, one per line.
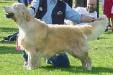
point(82, 10)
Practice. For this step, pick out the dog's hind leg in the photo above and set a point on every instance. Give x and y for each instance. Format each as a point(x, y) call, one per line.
point(33, 60)
point(84, 58)
point(86, 61)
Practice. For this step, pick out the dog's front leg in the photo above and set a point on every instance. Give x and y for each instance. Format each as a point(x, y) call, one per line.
point(33, 60)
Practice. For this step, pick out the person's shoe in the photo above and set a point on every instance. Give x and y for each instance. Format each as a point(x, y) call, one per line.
point(10, 38)
point(107, 28)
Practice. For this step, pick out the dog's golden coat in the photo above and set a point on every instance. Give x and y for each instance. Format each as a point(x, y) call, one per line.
point(42, 40)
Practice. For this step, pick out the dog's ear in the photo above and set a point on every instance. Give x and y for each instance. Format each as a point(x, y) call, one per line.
point(27, 16)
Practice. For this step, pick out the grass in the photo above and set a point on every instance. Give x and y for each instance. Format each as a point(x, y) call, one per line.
point(101, 53)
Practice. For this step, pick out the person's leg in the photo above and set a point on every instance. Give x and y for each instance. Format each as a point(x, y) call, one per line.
point(60, 60)
point(109, 25)
point(112, 25)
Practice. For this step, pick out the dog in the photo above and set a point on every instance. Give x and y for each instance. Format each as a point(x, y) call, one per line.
point(45, 40)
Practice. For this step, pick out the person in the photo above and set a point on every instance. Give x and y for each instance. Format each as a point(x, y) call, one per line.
point(108, 11)
point(89, 10)
point(54, 12)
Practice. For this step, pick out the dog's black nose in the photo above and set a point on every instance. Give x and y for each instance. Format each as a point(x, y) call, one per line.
point(9, 15)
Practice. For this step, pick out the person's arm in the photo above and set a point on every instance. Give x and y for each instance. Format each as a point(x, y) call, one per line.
point(85, 18)
point(76, 17)
point(34, 7)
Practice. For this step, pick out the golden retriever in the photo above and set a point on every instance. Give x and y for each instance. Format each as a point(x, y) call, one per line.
point(44, 40)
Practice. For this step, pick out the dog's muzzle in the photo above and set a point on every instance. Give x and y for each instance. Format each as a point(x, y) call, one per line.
point(9, 15)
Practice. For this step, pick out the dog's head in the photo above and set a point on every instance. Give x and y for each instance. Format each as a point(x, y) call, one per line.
point(17, 12)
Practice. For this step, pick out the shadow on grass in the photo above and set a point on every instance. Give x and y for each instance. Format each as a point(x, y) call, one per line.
point(5, 1)
point(74, 69)
point(102, 38)
point(8, 50)
point(4, 29)
point(108, 32)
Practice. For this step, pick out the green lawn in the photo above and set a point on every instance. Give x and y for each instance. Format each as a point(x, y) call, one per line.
point(101, 53)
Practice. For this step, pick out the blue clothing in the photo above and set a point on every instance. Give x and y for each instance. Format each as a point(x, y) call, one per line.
point(60, 60)
point(70, 14)
point(23, 1)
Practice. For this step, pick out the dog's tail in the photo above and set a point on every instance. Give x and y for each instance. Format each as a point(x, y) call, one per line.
point(99, 27)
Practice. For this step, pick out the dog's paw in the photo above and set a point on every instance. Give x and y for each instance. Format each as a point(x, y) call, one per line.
point(25, 64)
point(28, 68)
point(88, 67)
